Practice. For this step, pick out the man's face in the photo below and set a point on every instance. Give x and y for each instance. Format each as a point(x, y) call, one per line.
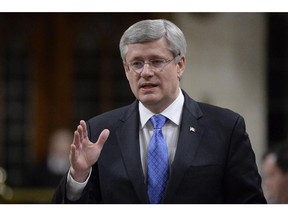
point(156, 90)
point(273, 180)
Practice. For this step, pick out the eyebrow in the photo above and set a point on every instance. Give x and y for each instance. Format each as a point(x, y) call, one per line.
point(151, 57)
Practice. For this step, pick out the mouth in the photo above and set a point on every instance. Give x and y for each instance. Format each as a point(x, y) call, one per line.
point(148, 85)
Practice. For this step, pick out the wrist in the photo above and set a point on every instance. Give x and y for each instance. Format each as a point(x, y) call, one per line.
point(79, 176)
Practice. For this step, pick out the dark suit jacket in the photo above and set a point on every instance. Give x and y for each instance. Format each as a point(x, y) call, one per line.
point(214, 164)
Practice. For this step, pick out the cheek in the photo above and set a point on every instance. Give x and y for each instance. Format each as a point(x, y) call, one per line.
point(171, 81)
point(132, 82)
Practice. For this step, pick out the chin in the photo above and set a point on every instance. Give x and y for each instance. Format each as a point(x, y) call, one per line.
point(149, 99)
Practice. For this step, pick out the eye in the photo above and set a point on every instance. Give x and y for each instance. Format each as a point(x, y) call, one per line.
point(158, 63)
point(137, 64)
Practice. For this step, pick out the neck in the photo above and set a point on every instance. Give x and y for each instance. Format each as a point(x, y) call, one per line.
point(160, 107)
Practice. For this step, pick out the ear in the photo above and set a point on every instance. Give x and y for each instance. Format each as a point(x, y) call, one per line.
point(126, 70)
point(181, 67)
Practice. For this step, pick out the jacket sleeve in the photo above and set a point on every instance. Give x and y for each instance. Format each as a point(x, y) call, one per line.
point(90, 194)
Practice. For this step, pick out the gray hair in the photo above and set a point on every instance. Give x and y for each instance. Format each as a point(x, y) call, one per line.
point(150, 30)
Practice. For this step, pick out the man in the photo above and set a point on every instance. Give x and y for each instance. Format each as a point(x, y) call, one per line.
point(206, 156)
point(275, 175)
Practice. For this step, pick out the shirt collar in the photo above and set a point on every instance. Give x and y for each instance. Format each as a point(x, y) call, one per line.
point(173, 112)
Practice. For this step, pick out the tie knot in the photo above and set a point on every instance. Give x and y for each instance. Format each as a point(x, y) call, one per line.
point(158, 121)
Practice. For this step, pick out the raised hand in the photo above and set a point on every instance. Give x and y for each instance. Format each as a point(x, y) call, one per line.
point(84, 153)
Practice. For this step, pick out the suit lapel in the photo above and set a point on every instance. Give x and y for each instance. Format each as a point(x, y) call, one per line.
point(189, 139)
point(128, 139)
point(188, 142)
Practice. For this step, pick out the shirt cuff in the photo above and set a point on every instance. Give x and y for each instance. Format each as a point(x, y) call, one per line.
point(73, 188)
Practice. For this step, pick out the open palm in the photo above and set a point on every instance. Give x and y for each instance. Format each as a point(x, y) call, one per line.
point(85, 153)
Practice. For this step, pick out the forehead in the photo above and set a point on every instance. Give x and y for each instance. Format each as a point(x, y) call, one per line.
point(156, 48)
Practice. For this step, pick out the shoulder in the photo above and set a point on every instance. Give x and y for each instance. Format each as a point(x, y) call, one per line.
point(112, 116)
point(110, 120)
point(220, 118)
point(204, 110)
point(213, 116)
point(212, 110)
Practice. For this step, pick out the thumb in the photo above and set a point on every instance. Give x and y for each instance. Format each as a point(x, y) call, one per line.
point(103, 137)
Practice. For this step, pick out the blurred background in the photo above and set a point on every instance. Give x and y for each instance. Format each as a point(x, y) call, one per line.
point(59, 68)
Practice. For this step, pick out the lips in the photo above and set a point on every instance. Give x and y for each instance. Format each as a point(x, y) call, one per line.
point(148, 85)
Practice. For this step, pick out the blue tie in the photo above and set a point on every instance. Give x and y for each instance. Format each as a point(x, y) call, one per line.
point(157, 161)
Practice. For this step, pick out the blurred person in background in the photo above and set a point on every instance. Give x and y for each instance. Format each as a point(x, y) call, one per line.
point(57, 162)
point(275, 175)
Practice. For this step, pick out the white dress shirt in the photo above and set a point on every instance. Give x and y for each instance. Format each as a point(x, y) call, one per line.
point(170, 132)
point(170, 129)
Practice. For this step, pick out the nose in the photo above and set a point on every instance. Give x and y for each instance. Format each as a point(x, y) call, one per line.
point(146, 72)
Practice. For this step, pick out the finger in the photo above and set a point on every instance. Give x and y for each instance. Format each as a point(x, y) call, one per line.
point(72, 154)
point(83, 124)
point(103, 137)
point(76, 139)
point(80, 131)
